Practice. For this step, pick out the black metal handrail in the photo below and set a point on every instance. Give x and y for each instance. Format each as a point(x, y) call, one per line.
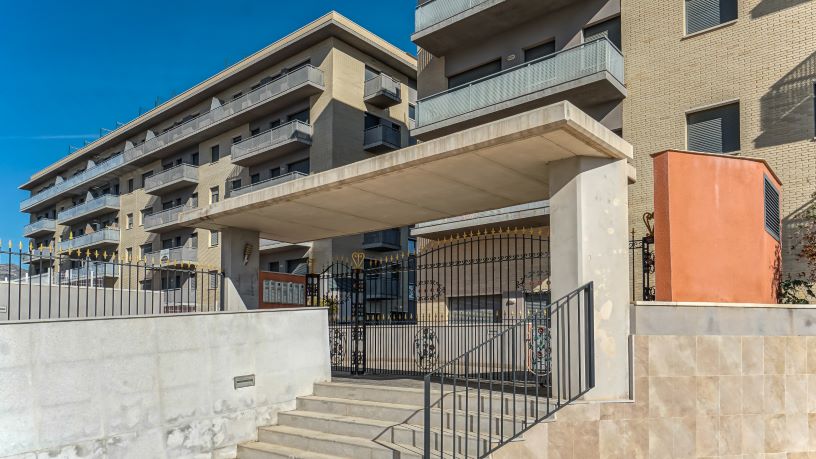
point(503, 386)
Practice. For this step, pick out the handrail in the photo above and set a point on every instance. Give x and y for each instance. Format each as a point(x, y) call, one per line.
point(521, 376)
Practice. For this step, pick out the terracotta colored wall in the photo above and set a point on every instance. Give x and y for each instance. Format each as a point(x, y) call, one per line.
point(710, 237)
point(281, 277)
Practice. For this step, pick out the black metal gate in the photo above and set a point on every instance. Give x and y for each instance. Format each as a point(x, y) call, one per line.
point(406, 314)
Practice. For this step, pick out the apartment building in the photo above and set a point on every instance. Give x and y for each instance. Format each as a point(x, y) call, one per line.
point(328, 94)
point(734, 77)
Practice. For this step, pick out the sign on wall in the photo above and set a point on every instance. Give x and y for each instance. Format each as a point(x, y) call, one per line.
point(281, 292)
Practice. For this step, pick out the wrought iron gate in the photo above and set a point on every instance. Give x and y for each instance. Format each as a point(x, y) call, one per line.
point(406, 314)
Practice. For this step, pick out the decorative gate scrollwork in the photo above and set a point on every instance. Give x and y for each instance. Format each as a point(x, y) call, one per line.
point(426, 349)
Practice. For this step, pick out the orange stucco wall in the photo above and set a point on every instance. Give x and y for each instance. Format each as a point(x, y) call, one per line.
point(710, 238)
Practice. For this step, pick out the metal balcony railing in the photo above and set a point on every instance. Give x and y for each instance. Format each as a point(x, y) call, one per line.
point(92, 270)
point(291, 80)
point(382, 83)
point(173, 255)
point(382, 135)
point(549, 71)
point(78, 180)
point(270, 90)
point(182, 172)
point(43, 225)
point(105, 236)
point(164, 217)
point(266, 183)
point(109, 201)
point(293, 130)
point(435, 11)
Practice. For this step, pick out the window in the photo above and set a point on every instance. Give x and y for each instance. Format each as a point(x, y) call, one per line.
point(194, 159)
point(370, 73)
point(237, 95)
point(129, 221)
point(474, 73)
point(236, 139)
point(274, 266)
point(255, 131)
point(772, 222)
point(610, 29)
point(274, 172)
point(297, 266)
point(213, 238)
point(129, 253)
point(236, 184)
point(194, 240)
point(535, 52)
point(215, 153)
point(300, 116)
point(215, 195)
point(146, 249)
point(705, 14)
point(411, 111)
point(371, 121)
point(255, 178)
point(274, 124)
point(715, 130)
point(300, 166)
point(193, 200)
point(214, 279)
point(143, 213)
point(167, 244)
point(477, 308)
point(145, 177)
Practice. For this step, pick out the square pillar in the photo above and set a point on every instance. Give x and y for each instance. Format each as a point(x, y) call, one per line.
point(240, 260)
point(588, 243)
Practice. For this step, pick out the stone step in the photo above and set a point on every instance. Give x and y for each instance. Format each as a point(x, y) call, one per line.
point(416, 396)
point(406, 434)
point(340, 445)
point(261, 450)
point(413, 414)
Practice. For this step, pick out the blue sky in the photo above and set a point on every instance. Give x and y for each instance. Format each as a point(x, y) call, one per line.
point(71, 68)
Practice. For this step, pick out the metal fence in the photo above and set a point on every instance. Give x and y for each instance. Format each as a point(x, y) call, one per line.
point(642, 265)
point(40, 284)
point(549, 71)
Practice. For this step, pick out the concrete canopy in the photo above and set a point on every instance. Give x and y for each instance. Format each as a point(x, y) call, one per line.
point(497, 164)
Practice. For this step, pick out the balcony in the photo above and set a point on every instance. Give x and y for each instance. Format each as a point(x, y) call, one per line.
point(382, 241)
point(586, 75)
point(382, 91)
point(280, 92)
point(173, 256)
point(40, 228)
point(97, 270)
point(98, 206)
point(95, 240)
point(531, 215)
point(165, 219)
point(381, 139)
point(444, 25)
point(171, 179)
point(266, 183)
point(270, 246)
point(295, 85)
point(275, 142)
point(87, 178)
point(382, 287)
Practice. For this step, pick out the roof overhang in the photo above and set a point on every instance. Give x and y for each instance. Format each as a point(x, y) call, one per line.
point(327, 26)
point(498, 164)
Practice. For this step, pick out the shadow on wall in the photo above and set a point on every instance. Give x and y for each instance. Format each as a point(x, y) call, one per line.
point(786, 110)
point(766, 7)
point(793, 226)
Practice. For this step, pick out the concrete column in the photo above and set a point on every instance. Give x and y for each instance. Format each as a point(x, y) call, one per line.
point(240, 260)
point(588, 222)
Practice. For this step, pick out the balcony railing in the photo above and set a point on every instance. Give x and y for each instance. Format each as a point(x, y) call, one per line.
point(381, 138)
point(104, 202)
point(276, 87)
point(382, 240)
point(291, 80)
point(183, 174)
point(549, 71)
point(435, 11)
point(382, 91)
point(266, 183)
point(164, 217)
point(69, 184)
point(45, 225)
point(92, 270)
point(295, 130)
point(173, 255)
point(105, 236)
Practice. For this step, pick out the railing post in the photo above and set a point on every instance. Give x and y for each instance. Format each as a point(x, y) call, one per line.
point(589, 302)
point(426, 421)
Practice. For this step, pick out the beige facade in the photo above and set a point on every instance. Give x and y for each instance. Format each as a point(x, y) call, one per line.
point(764, 60)
point(312, 81)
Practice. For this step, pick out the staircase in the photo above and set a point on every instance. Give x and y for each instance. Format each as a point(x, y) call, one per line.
point(383, 419)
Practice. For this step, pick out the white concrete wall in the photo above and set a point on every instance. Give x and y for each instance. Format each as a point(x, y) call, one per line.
point(154, 387)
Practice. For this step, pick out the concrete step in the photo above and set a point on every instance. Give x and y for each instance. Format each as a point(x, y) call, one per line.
point(411, 414)
point(340, 445)
point(406, 434)
point(416, 396)
point(261, 450)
